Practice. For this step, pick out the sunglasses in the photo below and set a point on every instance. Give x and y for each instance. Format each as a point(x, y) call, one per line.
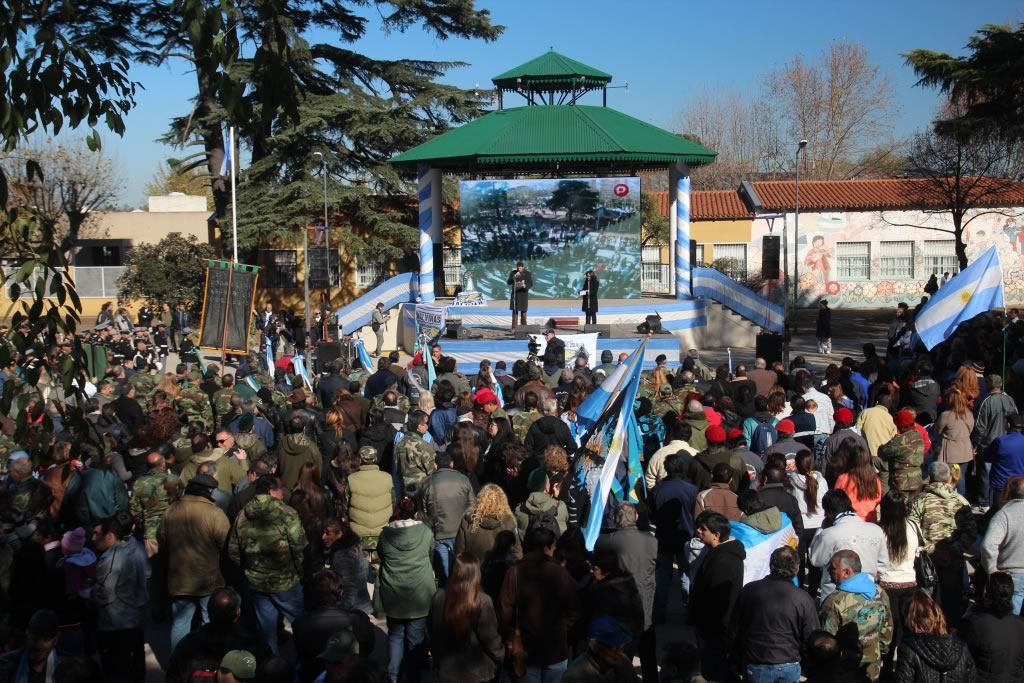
point(220, 441)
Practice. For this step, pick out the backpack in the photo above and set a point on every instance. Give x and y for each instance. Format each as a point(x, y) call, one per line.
point(544, 519)
point(764, 436)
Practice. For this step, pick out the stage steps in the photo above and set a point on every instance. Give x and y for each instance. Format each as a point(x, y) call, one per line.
point(728, 328)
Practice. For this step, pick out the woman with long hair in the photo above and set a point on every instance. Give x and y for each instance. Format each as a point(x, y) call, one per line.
point(337, 427)
point(778, 404)
point(339, 549)
point(463, 627)
point(928, 651)
point(488, 517)
point(994, 634)
point(860, 481)
point(898, 579)
point(169, 386)
point(426, 402)
point(589, 291)
point(316, 506)
point(966, 381)
point(106, 314)
point(809, 489)
point(954, 428)
point(499, 436)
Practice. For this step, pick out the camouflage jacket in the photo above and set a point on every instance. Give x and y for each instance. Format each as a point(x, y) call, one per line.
point(152, 494)
point(415, 460)
point(222, 404)
point(403, 402)
point(252, 445)
point(873, 618)
point(521, 423)
point(662, 407)
point(195, 404)
point(144, 384)
point(934, 511)
point(268, 544)
point(899, 462)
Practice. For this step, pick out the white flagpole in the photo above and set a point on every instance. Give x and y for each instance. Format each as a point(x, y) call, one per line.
point(234, 205)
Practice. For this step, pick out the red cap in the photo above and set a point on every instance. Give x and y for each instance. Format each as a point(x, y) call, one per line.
point(715, 434)
point(844, 415)
point(785, 426)
point(904, 419)
point(734, 433)
point(485, 396)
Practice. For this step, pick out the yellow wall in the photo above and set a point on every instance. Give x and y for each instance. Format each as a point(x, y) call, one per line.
point(722, 232)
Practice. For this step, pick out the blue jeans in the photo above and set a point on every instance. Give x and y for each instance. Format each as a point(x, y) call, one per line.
point(1018, 591)
point(552, 673)
point(444, 548)
point(982, 471)
point(406, 637)
point(270, 606)
point(663, 573)
point(183, 609)
point(772, 673)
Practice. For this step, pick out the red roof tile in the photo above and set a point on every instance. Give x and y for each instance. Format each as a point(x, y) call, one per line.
point(709, 205)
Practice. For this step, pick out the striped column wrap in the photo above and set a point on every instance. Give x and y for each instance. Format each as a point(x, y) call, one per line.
point(425, 193)
point(683, 264)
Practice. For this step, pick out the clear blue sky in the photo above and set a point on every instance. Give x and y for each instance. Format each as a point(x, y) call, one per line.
point(666, 49)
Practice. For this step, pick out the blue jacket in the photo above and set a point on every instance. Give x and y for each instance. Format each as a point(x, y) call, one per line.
point(442, 424)
point(1007, 457)
point(96, 494)
point(120, 594)
point(672, 502)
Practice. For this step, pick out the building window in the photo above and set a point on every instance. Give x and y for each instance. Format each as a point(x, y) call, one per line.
point(940, 258)
point(453, 267)
point(280, 269)
point(369, 273)
point(698, 262)
point(318, 267)
point(655, 276)
point(853, 261)
point(731, 259)
point(896, 260)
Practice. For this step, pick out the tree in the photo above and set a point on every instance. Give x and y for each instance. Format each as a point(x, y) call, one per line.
point(74, 183)
point(168, 179)
point(989, 82)
point(291, 98)
point(967, 176)
point(172, 270)
point(575, 196)
point(655, 225)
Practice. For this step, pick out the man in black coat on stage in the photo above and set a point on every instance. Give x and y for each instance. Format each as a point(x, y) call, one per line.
point(521, 281)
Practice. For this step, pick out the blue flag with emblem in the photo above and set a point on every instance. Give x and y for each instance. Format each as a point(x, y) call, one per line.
point(978, 288)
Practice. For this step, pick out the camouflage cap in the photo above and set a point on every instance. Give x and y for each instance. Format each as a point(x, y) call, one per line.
point(665, 388)
point(194, 376)
point(341, 645)
point(368, 454)
point(241, 663)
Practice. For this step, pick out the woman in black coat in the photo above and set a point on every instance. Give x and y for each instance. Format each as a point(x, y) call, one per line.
point(928, 652)
point(995, 635)
point(589, 293)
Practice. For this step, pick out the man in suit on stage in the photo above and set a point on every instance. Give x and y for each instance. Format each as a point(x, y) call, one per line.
point(521, 281)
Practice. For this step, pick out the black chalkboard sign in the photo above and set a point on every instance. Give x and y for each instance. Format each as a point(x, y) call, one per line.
point(227, 306)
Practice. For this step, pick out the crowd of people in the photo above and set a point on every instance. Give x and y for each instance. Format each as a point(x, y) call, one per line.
point(859, 521)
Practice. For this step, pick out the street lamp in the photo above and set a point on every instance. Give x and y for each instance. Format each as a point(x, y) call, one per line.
point(327, 232)
point(796, 237)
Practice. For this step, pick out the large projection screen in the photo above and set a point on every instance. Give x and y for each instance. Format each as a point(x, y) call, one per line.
point(558, 228)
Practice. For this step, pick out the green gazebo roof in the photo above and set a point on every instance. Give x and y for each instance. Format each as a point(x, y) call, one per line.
point(541, 137)
point(551, 71)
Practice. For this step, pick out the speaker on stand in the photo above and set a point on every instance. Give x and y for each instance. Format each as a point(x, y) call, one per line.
point(771, 247)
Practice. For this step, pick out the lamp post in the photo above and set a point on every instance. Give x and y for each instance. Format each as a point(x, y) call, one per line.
point(327, 232)
point(796, 237)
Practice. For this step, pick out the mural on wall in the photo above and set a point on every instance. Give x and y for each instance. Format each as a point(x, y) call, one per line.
point(819, 276)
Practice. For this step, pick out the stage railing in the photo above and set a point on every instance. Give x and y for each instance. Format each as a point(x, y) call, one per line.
point(719, 287)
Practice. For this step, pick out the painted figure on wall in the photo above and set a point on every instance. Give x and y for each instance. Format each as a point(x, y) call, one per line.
point(818, 259)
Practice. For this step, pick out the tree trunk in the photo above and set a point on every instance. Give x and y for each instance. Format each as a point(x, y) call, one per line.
point(961, 247)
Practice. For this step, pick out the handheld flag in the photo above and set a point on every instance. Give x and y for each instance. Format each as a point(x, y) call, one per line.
point(364, 356)
point(761, 544)
point(978, 288)
point(597, 403)
point(299, 364)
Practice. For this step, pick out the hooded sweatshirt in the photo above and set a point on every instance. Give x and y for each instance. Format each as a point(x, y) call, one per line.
point(405, 583)
point(761, 534)
point(294, 451)
point(934, 658)
point(537, 502)
point(699, 425)
point(268, 543)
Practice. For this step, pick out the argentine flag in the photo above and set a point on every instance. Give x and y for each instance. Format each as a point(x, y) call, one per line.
point(364, 356)
point(760, 546)
point(978, 288)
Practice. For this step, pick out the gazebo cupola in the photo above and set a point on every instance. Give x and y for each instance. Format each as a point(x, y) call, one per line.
point(552, 79)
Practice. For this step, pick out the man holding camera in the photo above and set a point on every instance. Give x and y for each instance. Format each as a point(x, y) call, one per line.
point(554, 353)
point(521, 281)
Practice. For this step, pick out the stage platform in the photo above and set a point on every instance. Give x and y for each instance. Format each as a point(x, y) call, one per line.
point(492, 338)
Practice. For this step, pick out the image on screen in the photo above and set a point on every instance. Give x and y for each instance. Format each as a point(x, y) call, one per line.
point(559, 229)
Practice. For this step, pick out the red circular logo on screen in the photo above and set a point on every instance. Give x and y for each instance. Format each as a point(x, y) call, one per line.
point(621, 190)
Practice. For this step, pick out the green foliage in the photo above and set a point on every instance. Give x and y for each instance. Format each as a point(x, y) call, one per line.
point(172, 270)
point(575, 196)
point(988, 82)
point(655, 225)
point(168, 179)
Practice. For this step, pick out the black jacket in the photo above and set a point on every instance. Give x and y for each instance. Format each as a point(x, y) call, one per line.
point(638, 554)
point(328, 389)
point(474, 659)
point(313, 630)
point(548, 431)
point(771, 622)
point(204, 648)
point(672, 502)
point(129, 412)
point(615, 596)
point(823, 325)
point(539, 597)
point(942, 659)
point(715, 588)
point(554, 354)
point(776, 495)
point(997, 645)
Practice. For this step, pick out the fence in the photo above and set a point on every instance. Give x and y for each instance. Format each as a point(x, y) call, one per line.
point(96, 282)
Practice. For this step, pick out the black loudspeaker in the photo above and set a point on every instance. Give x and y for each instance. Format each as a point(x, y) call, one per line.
point(603, 331)
point(653, 324)
point(769, 347)
point(770, 249)
point(327, 352)
point(693, 254)
point(522, 330)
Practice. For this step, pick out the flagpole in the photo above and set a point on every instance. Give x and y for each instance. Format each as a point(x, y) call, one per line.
point(234, 205)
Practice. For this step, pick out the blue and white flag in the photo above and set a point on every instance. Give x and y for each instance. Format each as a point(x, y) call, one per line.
point(978, 288)
point(597, 403)
point(431, 370)
point(229, 151)
point(299, 365)
point(364, 356)
point(625, 448)
point(760, 546)
point(268, 357)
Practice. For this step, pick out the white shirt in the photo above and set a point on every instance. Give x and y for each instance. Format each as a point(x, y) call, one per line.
point(823, 417)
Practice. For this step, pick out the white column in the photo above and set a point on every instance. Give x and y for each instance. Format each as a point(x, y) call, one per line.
point(679, 227)
point(429, 193)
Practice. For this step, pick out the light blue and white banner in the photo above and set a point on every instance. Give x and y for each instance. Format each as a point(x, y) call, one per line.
point(718, 286)
point(364, 356)
point(976, 289)
point(760, 546)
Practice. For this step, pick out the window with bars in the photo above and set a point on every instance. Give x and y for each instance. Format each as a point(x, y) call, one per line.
point(896, 260)
point(452, 266)
point(940, 257)
point(370, 273)
point(853, 261)
point(699, 261)
point(730, 259)
point(280, 269)
point(318, 265)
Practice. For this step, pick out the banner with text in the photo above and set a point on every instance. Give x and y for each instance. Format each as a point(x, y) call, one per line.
point(430, 316)
point(575, 345)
